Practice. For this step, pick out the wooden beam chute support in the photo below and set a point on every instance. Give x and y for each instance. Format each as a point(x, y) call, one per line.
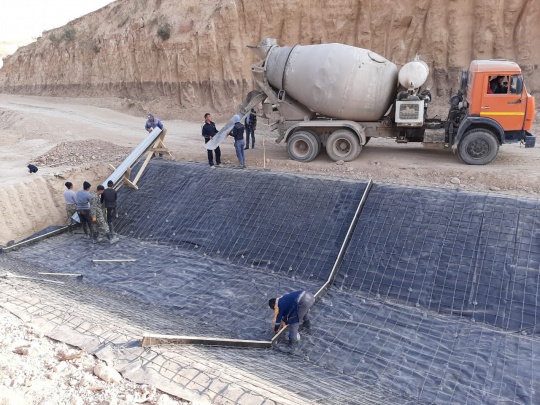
point(158, 147)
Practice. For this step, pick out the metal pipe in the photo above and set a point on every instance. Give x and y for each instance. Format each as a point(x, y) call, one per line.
point(346, 241)
point(340, 255)
point(34, 240)
point(152, 340)
point(113, 260)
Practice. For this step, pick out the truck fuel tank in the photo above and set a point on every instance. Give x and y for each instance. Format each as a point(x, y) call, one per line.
point(334, 80)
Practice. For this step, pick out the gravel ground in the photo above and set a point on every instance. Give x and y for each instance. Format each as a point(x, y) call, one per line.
point(38, 370)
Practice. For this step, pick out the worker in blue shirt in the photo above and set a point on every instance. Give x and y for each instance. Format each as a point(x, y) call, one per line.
point(151, 123)
point(237, 132)
point(291, 309)
point(82, 198)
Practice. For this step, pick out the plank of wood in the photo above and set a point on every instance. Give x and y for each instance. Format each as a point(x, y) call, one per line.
point(113, 260)
point(141, 170)
point(129, 183)
point(154, 340)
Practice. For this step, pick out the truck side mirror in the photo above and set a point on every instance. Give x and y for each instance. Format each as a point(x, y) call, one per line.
point(519, 85)
point(464, 80)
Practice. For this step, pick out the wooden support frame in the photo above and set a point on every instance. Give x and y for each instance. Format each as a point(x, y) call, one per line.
point(158, 147)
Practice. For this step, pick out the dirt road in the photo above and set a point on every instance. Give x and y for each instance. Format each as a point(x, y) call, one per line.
point(30, 126)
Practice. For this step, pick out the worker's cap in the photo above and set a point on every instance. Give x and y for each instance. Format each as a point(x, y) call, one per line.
point(110, 183)
point(150, 116)
point(236, 118)
point(86, 185)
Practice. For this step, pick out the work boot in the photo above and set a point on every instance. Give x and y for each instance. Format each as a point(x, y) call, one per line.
point(70, 229)
point(247, 147)
point(307, 325)
point(113, 240)
point(290, 347)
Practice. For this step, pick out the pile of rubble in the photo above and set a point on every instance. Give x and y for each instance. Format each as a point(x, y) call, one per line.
point(38, 370)
point(76, 153)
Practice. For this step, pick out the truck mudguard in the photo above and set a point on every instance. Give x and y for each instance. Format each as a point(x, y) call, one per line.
point(479, 122)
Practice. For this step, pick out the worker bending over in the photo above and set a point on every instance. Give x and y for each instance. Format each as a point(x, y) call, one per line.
point(291, 309)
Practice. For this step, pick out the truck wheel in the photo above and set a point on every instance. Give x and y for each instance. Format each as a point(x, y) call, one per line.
point(303, 146)
point(343, 145)
point(478, 147)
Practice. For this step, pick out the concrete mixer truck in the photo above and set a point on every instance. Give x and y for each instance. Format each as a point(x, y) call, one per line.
point(337, 97)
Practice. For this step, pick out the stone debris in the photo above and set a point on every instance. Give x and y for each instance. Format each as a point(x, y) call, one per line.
point(68, 354)
point(455, 180)
point(107, 373)
point(38, 370)
point(76, 400)
point(23, 350)
point(80, 152)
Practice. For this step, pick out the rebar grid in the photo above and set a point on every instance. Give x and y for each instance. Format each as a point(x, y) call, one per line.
point(109, 326)
point(280, 223)
point(418, 256)
point(435, 301)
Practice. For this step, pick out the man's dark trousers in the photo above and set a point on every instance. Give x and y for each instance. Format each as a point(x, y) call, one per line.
point(211, 154)
point(86, 221)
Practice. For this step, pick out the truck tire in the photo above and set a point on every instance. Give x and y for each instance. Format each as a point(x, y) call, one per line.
point(303, 146)
point(343, 145)
point(478, 147)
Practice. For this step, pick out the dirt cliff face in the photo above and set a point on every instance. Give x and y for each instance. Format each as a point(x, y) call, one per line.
point(192, 54)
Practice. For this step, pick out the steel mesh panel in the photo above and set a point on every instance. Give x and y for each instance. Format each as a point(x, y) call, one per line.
point(435, 301)
point(112, 322)
point(282, 223)
point(456, 253)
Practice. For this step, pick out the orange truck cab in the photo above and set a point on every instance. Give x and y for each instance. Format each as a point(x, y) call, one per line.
point(492, 108)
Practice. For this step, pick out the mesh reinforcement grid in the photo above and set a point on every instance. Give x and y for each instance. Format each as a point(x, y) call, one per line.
point(437, 296)
point(425, 309)
point(280, 223)
point(203, 276)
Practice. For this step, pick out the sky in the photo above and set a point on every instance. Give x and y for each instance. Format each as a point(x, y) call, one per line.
point(25, 20)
